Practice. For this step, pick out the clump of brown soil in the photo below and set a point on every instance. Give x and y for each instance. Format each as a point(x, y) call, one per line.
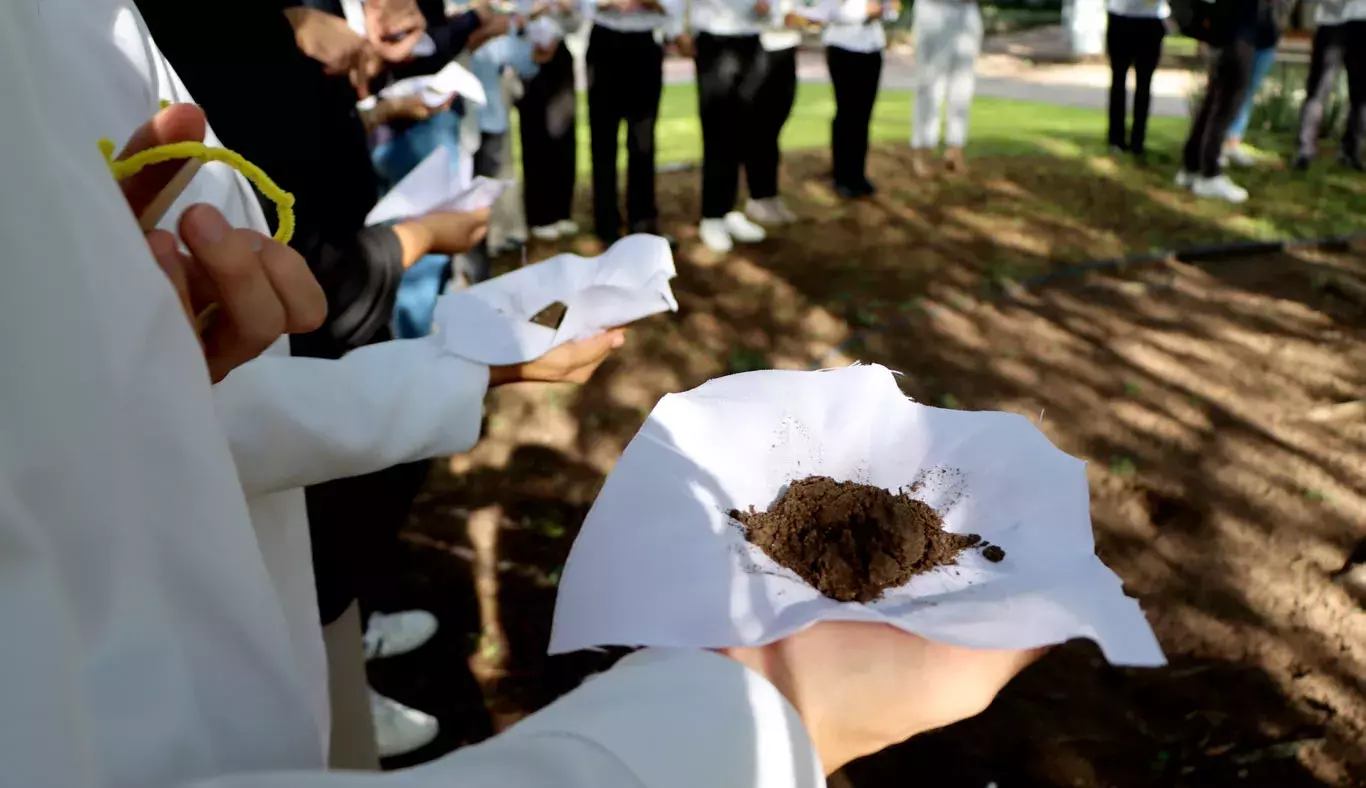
point(852, 541)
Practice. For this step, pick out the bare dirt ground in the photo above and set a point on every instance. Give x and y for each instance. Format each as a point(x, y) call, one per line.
point(1220, 501)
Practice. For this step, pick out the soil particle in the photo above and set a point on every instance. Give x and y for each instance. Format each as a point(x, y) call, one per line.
point(852, 541)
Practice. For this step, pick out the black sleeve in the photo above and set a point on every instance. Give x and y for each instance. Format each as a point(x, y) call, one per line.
point(360, 279)
point(449, 35)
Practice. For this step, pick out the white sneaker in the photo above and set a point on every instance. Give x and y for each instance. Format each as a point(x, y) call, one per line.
point(714, 234)
point(1219, 187)
point(390, 634)
point(1240, 156)
point(567, 227)
point(769, 210)
point(398, 728)
point(1184, 179)
point(549, 232)
point(742, 229)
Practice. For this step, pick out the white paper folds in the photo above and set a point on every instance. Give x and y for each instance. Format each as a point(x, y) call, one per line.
point(435, 185)
point(491, 321)
point(660, 563)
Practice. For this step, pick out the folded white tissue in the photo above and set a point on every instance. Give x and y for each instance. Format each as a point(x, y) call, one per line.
point(491, 321)
point(659, 562)
point(436, 184)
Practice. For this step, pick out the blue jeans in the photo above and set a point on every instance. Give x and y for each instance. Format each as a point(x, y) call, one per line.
point(424, 281)
point(1261, 65)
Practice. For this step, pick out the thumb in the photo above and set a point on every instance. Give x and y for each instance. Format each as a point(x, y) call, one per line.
point(176, 123)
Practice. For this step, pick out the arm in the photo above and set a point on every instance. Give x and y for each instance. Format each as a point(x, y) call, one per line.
point(292, 421)
point(848, 12)
point(658, 719)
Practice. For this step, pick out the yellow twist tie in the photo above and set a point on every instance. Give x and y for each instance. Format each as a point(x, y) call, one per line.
point(176, 151)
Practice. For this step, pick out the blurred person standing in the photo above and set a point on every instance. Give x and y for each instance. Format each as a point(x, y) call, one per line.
point(1133, 41)
point(1268, 39)
point(726, 51)
point(1336, 42)
point(777, 91)
point(948, 38)
point(625, 80)
point(854, 40)
point(548, 114)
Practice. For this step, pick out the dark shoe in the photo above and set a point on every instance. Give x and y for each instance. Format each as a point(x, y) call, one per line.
point(1347, 160)
point(1140, 158)
point(848, 192)
point(1300, 163)
point(866, 188)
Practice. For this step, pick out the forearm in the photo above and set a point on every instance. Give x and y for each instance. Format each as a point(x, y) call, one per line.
point(292, 421)
point(415, 239)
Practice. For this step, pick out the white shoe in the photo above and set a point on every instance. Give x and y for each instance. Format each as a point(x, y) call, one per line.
point(400, 729)
point(390, 634)
point(769, 210)
point(1240, 156)
point(714, 234)
point(742, 229)
point(567, 227)
point(549, 232)
point(1219, 187)
point(1184, 179)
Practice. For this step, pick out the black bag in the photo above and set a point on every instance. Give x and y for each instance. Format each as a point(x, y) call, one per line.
point(1210, 21)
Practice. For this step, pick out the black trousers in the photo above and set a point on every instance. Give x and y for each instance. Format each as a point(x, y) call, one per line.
point(727, 84)
point(1132, 42)
point(854, 76)
point(772, 107)
point(1229, 74)
point(625, 80)
point(549, 152)
point(1354, 35)
point(488, 161)
point(1330, 51)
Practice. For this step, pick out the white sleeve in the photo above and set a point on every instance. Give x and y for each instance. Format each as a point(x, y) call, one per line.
point(663, 718)
point(295, 421)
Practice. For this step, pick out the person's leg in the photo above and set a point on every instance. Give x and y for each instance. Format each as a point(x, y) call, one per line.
point(962, 79)
point(1147, 54)
point(772, 105)
point(868, 68)
point(717, 79)
point(536, 158)
point(1324, 65)
point(1354, 39)
point(475, 264)
point(643, 92)
point(561, 116)
point(1122, 46)
point(932, 57)
point(605, 77)
point(1233, 70)
point(1262, 61)
point(843, 75)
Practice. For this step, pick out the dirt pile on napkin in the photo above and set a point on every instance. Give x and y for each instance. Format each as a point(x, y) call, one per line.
point(853, 541)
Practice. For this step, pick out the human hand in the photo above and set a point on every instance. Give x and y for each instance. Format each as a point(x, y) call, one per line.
point(411, 108)
point(861, 687)
point(684, 45)
point(572, 362)
point(261, 288)
point(394, 27)
point(453, 232)
point(761, 9)
point(874, 9)
point(497, 25)
point(327, 39)
point(543, 54)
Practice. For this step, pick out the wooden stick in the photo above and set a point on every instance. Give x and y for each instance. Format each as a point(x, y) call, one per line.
point(156, 209)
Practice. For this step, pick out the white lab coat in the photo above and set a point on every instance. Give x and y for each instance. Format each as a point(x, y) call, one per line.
point(153, 638)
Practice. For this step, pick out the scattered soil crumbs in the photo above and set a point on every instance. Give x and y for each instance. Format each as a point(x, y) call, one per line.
point(853, 541)
point(551, 316)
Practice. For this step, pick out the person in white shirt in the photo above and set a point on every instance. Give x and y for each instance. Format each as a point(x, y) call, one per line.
point(725, 44)
point(1333, 48)
point(854, 40)
point(1133, 40)
point(773, 100)
point(948, 38)
point(548, 113)
point(166, 609)
point(625, 81)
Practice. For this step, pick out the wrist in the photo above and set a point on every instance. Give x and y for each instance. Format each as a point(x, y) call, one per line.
point(503, 374)
point(415, 238)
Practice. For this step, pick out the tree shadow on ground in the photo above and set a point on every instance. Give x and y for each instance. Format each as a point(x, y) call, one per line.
point(1218, 504)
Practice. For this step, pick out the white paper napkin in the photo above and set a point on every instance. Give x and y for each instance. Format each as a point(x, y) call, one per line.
point(659, 562)
point(490, 322)
point(434, 185)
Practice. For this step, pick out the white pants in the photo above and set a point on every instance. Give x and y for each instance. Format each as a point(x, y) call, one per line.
point(948, 37)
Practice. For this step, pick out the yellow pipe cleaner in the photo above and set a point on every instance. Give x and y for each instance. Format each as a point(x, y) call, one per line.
point(126, 168)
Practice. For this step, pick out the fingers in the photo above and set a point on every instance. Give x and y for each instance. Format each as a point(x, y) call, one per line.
point(298, 290)
point(589, 354)
point(174, 264)
point(176, 123)
point(263, 289)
